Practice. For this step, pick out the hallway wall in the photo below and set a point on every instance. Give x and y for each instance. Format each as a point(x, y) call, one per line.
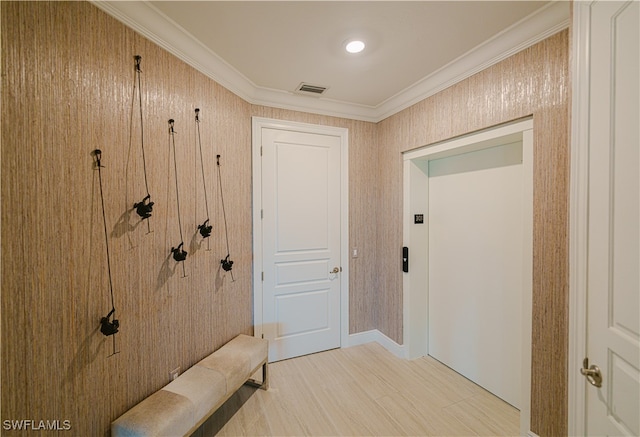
point(67, 87)
point(67, 83)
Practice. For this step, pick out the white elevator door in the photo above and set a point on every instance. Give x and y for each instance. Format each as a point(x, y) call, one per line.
point(475, 266)
point(301, 242)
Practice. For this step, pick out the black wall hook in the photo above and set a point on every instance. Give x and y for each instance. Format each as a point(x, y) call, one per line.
point(205, 230)
point(227, 264)
point(178, 253)
point(144, 207)
point(109, 328)
point(97, 153)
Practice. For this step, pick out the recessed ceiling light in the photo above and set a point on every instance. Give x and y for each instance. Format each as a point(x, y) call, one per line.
point(354, 46)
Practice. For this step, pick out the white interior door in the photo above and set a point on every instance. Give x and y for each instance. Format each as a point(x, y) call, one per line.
point(301, 241)
point(613, 260)
point(476, 266)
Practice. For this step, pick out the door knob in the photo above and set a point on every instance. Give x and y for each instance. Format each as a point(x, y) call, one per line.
point(593, 374)
point(336, 270)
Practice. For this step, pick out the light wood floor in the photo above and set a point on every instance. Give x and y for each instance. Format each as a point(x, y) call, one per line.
point(360, 391)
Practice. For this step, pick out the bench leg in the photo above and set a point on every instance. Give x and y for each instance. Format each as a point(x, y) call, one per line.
point(264, 385)
point(265, 376)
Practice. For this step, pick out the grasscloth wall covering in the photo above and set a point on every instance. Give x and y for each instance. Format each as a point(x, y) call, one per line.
point(67, 84)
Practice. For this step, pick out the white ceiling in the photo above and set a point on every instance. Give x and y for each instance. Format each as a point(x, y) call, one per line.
point(262, 50)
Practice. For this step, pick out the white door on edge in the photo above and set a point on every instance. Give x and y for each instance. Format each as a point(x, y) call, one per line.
point(613, 278)
point(301, 242)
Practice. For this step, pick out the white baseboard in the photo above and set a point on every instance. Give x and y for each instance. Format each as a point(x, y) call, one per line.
point(376, 336)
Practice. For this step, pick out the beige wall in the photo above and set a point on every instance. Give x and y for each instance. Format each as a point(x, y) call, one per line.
point(67, 81)
point(68, 73)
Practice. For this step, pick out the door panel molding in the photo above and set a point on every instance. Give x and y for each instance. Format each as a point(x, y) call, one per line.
point(259, 123)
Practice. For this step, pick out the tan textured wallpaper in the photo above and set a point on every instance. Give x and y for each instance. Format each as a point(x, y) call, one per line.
point(67, 88)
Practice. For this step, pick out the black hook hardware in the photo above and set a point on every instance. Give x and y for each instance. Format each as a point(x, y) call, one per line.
point(171, 131)
point(227, 264)
point(178, 253)
point(205, 230)
point(144, 207)
point(109, 328)
point(97, 153)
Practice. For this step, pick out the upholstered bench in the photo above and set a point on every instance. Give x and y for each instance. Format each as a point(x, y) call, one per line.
point(186, 402)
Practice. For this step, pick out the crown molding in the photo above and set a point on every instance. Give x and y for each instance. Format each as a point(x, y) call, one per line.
point(529, 31)
point(144, 18)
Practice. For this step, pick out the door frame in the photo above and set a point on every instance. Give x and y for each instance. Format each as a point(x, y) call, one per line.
point(257, 124)
point(415, 282)
point(578, 216)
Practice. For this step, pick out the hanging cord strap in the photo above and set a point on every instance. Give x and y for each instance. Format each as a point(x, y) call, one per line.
point(145, 206)
point(205, 228)
point(179, 254)
point(226, 263)
point(106, 326)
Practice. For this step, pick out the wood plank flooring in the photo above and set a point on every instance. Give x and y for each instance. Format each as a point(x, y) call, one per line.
point(363, 391)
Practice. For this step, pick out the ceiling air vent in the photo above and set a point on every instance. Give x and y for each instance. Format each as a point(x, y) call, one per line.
point(307, 88)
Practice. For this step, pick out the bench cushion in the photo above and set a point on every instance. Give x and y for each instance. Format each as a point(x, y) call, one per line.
point(234, 367)
point(182, 405)
point(237, 359)
point(203, 387)
point(256, 348)
point(164, 413)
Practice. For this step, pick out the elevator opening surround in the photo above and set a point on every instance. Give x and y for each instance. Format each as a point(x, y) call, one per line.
point(416, 237)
